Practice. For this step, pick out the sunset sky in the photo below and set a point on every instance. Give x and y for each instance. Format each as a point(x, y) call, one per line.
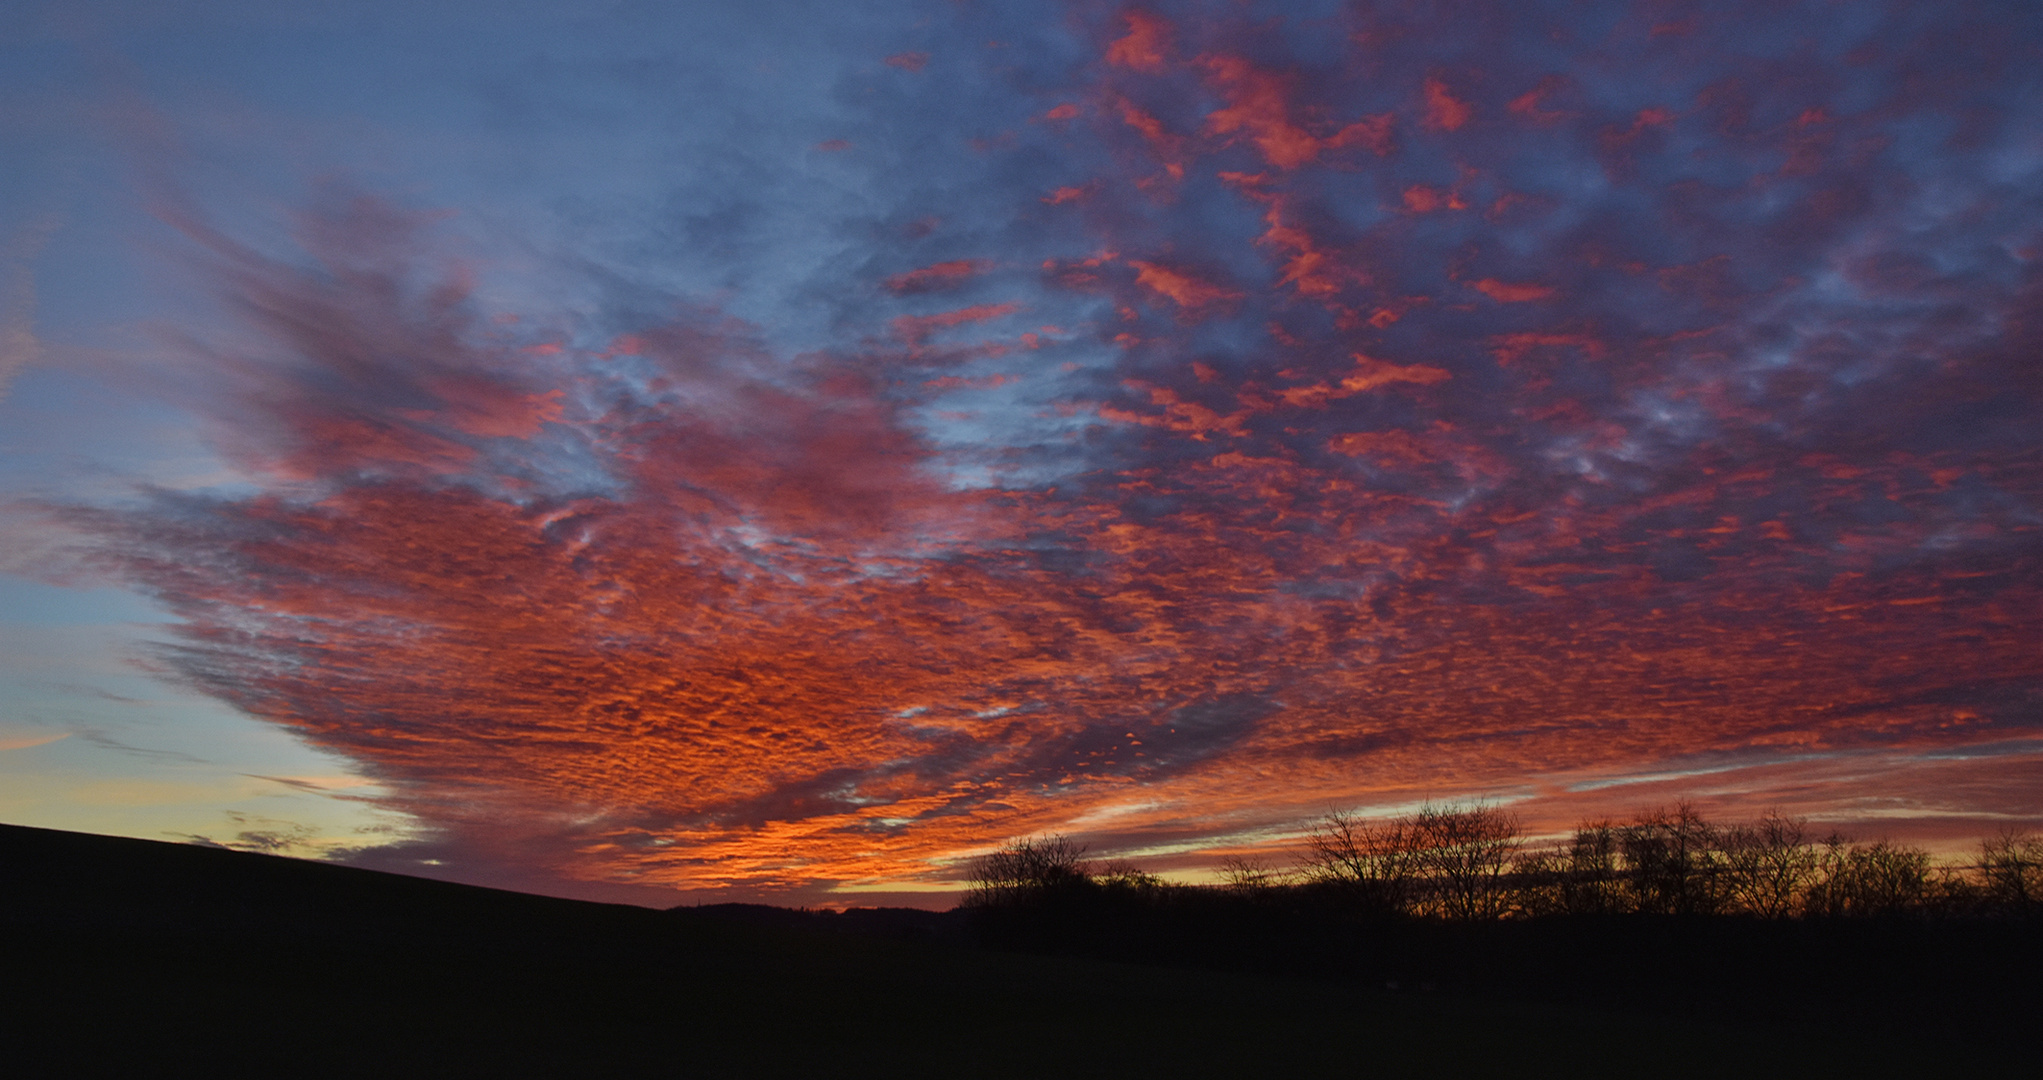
point(776, 451)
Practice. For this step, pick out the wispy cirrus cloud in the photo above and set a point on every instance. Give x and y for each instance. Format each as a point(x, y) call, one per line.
point(19, 343)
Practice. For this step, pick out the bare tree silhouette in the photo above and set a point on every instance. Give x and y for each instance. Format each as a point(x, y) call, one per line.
point(1464, 852)
point(1768, 866)
point(1027, 867)
point(1122, 875)
point(1379, 864)
point(1593, 885)
point(1675, 862)
point(1249, 875)
point(1869, 880)
point(1449, 861)
point(2011, 871)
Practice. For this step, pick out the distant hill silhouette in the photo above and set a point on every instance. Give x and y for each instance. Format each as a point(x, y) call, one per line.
point(144, 958)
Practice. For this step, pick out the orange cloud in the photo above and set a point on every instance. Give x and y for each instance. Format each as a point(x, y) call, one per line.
point(1258, 105)
point(1185, 289)
point(1190, 417)
point(1388, 447)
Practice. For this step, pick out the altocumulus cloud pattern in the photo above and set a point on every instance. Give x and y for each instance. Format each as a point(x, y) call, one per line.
point(1209, 414)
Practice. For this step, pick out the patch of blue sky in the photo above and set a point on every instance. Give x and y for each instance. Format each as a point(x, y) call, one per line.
point(70, 436)
point(25, 603)
point(91, 738)
point(553, 147)
point(1015, 445)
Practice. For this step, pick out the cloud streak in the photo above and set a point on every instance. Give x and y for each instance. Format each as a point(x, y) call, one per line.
point(19, 345)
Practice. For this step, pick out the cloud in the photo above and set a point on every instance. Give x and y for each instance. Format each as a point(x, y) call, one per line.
point(1444, 111)
point(14, 738)
point(937, 277)
point(19, 346)
point(1143, 47)
point(1506, 292)
point(1697, 433)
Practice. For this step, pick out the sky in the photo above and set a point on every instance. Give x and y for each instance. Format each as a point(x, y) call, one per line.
point(687, 451)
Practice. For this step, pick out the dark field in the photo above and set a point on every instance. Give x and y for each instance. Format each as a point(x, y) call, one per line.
point(147, 958)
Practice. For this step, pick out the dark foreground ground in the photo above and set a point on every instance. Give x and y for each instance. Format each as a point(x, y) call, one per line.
point(140, 958)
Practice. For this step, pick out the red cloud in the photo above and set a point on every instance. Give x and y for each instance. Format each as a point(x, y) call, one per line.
point(1420, 199)
point(1194, 419)
point(1444, 111)
point(917, 328)
point(1505, 292)
point(937, 277)
point(1143, 48)
point(1369, 374)
point(1529, 104)
point(1169, 148)
point(1386, 447)
point(1185, 289)
point(1258, 105)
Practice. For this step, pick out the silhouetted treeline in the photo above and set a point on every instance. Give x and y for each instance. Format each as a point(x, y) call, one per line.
point(1473, 863)
point(1666, 912)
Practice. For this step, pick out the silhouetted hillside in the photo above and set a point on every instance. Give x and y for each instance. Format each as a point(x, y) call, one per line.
point(141, 957)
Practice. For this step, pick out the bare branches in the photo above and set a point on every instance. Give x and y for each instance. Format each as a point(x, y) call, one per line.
point(1377, 863)
point(1674, 862)
point(1249, 875)
point(1880, 879)
point(1768, 866)
point(1463, 854)
point(2011, 871)
point(1471, 863)
point(1026, 867)
point(1446, 860)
